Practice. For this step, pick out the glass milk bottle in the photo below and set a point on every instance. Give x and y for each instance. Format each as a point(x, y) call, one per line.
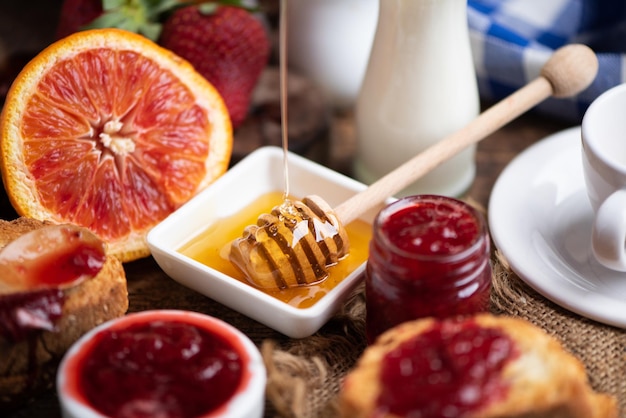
point(419, 86)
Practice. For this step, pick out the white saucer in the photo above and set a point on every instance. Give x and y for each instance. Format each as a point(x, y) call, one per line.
point(540, 219)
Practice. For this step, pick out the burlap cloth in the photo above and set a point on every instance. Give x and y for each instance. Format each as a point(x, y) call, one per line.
point(304, 376)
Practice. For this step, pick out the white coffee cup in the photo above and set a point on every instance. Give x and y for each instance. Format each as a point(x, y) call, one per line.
point(604, 167)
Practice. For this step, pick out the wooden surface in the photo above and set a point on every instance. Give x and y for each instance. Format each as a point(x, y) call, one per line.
point(149, 287)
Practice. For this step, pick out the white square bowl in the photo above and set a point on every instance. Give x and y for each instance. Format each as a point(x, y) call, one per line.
point(259, 173)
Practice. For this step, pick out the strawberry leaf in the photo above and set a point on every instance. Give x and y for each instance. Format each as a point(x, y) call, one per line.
point(208, 8)
point(161, 6)
point(151, 30)
point(241, 4)
point(106, 20)
point(112, 4)
point(140, 16)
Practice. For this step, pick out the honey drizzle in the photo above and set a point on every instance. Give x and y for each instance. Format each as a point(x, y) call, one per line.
point(287, 209)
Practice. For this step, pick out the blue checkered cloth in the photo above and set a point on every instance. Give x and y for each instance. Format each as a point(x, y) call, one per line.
point(512, 39)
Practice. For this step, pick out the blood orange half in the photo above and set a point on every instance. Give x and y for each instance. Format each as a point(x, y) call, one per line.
point(106, 130)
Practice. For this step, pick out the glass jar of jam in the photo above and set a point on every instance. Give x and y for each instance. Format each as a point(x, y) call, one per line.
point(429, 257)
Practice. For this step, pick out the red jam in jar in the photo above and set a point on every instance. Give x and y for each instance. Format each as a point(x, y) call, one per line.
point(449, 370)
point(163, 368)
point(429, 256)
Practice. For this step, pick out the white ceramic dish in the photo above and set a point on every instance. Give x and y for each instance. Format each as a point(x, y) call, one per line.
point(540, 219)
point(247, 401)
point(259, 173)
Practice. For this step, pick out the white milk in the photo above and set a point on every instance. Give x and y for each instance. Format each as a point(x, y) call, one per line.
point(420, 85)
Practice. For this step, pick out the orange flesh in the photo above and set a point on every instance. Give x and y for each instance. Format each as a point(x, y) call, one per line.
point(84, 181)
point(211, 246)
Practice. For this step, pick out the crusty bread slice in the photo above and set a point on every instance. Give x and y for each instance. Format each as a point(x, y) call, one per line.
point(543, 380)
point(29, 366)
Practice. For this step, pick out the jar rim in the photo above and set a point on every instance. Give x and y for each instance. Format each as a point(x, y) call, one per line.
point(394, 207)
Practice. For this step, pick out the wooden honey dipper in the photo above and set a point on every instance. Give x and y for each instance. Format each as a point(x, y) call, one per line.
point(297, 243)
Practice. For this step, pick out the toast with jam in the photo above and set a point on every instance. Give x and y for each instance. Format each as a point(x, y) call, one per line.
point(483, 366)
point(56, 283)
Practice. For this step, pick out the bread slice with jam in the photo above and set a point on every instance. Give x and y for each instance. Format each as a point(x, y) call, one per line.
point(483, 366)
point(56, 283)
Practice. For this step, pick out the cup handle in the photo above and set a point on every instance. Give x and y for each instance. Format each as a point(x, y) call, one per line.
point(608, 240)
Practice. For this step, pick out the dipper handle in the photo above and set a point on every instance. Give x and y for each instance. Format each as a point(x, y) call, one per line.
point(570, 70)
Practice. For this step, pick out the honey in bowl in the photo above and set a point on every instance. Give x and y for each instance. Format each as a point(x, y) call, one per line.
point(211, 248)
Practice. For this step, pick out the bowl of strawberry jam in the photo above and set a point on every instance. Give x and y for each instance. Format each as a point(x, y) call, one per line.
point(162, 363)
point(429, 257)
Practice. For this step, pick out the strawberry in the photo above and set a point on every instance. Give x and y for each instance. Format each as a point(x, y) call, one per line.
point(225, 42)
point(229, 47)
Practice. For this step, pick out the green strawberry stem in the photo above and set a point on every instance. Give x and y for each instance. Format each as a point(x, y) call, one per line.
point(147, 16)
point(211, 5)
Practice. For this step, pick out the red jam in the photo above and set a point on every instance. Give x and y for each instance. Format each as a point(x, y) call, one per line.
point(450, 370)
point(429, 256)
point(34, 269)
point(26, 313)
point(160, 368)
point(54, 256)
point(61, 268)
